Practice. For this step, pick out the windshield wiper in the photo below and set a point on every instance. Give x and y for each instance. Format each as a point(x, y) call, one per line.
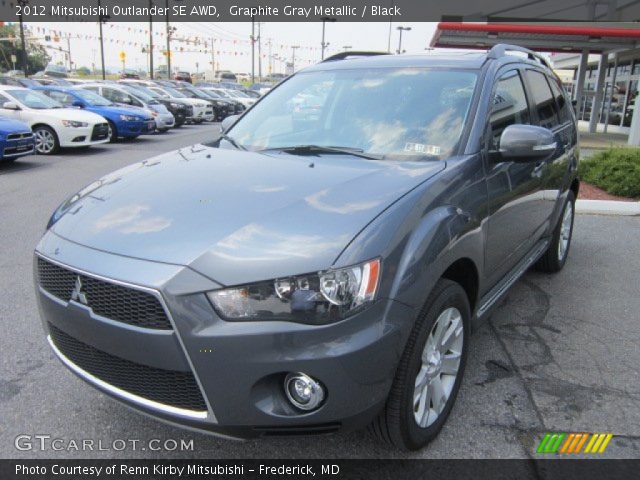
point(229, 139)
point(305, 149)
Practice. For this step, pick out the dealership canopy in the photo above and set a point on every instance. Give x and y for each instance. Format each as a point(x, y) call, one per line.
point(545, 37)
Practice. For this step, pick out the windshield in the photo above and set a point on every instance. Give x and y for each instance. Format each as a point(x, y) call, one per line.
point(415, 112)
point(173, 92)
point(35, 100)
point(138, 93)
point(92, 98)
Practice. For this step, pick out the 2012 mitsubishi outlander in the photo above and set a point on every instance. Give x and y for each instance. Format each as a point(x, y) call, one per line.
point(322, 264)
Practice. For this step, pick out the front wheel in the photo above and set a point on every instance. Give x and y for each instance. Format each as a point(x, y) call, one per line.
point(556, 255)
point(430, 371)
point(46, 140)
point(113, 132)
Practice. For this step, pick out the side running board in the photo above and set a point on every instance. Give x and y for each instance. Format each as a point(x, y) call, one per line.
point(503, 285)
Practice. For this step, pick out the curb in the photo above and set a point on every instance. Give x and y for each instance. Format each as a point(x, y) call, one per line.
point(607, 207)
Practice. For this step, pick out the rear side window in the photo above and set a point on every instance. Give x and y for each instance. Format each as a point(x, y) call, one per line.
point(561, 100)
point(509, 106)
point(543, 99)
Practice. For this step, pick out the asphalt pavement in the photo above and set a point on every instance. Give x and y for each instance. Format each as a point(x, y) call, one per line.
point(559, 355)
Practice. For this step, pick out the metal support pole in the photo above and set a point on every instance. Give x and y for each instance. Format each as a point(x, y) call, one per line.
point(599, 93)
point(253, 50)
point(613, 86)
point(100, 22)
point(579, 90)
point(259, 52)
point(168, 44)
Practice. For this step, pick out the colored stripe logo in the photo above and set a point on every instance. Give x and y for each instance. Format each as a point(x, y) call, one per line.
point(572, 443)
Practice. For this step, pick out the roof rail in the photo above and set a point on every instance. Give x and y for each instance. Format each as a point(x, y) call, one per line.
point(344, 55)
point(502, 49)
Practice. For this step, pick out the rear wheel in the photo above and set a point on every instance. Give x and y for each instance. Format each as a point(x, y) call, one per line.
point(430, 371)
point(46, 140)
point(556, 255)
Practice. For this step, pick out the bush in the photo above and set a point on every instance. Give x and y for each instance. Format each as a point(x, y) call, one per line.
point(616, 171)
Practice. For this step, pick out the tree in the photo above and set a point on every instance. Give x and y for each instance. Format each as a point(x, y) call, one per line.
point(83, 71)
point(37, 56)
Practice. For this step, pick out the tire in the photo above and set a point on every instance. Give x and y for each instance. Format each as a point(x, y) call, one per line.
point(198, 121)
point(397, 424)
point(556, 255)
point(113, 132)
point(47, 142)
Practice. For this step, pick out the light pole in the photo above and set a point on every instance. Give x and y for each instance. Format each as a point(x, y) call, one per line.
point(401, 29)
point(102, 19)
point(22, 3)
point(253, 50)
point(150, 41)
point(293, 57)
point(324, 44)
point(170, 31)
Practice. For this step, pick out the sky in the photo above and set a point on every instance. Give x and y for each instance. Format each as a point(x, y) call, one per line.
point(232, 46)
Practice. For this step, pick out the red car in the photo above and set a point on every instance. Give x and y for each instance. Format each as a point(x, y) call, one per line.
point(183, 76)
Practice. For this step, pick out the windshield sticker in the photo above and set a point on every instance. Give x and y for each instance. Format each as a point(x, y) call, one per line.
point(422, 148)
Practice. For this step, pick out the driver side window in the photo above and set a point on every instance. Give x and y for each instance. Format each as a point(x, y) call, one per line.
point(509, 106)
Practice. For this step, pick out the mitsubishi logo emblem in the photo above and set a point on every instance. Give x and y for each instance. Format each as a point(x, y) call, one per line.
point(77, 294)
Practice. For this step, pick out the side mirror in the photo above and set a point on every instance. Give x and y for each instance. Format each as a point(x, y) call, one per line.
point(77, 103)
point(524, 143)
point(10, 106)
point(227, 122)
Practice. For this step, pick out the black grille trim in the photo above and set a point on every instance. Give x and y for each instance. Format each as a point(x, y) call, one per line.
point(100, 131)
point(109, 300)
point(19, 136)
point(168, 387)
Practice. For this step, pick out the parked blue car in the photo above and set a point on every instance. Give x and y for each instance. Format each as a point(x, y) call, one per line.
point(124, 122)
point(16, 140)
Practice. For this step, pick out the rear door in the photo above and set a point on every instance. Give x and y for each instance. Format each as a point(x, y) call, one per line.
point(514, 188)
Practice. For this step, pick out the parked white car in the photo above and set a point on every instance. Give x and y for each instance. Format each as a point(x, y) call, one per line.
point(236, 95)
point(201, 110)
point(53, 125)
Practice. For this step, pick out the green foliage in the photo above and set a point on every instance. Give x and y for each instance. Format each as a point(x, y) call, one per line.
point(83, 71)
point(616, 171)
point(37, 56)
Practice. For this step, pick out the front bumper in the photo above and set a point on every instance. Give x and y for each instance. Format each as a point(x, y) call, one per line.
point(83, 136)
point(239, 367)
point(17, 145)
point(164, 121)
point(133, 129)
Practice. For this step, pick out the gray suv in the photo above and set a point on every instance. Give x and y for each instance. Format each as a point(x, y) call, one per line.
point(322, 264)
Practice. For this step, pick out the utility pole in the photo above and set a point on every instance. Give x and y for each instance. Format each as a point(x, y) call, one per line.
point(293, 57)
point(22, 3)
point(270, 58)
point(169, 30)
point(259, 52)
point(324, 44)
point(101, 20)
point(213, 61)
point(253, 48)
point(150, 41)
point(401, 29)
point(389, 38)
point(68, 52)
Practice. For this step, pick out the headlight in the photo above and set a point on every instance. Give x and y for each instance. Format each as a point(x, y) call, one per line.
point(74, 124)
point(129, 118)
point(316, 299)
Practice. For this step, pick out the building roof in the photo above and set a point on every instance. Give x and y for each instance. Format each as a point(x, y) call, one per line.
point(536, 36)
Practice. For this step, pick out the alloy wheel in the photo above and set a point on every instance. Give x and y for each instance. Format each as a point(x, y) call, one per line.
point(440, 366)
point(45, 141)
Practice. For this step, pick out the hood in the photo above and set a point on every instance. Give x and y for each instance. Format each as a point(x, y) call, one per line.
point(8, 125)
point(236, 216)
point(76, 114)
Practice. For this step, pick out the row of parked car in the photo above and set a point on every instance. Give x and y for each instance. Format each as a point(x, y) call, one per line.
point(49, 113)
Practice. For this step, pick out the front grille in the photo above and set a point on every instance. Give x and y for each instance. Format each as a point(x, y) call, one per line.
point(169, 387)
point(19, 136)
point(100, 131)
point(109, 300)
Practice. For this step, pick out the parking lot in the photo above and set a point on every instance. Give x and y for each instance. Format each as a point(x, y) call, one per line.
point(560, 354)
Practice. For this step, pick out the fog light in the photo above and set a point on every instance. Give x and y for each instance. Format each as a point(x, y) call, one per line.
point(303, 391)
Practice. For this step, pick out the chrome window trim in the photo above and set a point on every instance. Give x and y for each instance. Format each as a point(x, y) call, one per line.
point(209, 415)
